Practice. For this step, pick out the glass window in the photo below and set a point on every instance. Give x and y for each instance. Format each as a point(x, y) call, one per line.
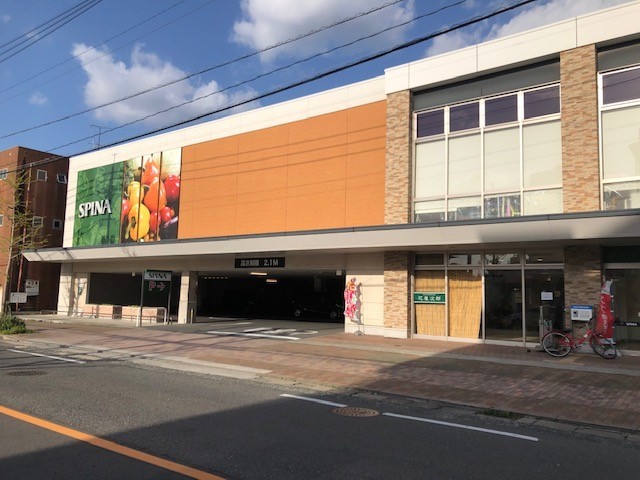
point(621, 196)
point(465, 303)
point(3, 174)
point(432, 211)
point(501, 110)
point(41, 175)
point(621, 142)
point(57, 224)
point(503, 305)
point(621, 86)
point(502, 259)
point(499, 206)
point(470, 259)
point(61, 178)
point(37, 221)
point(464, 117)
point(464, 165)
point(502, 160)
point(430, 123)
point(542, 152)
point(429, 259)
point(464, 208)
point(430, 317)
point(543, 202)
point(1, 220)
point(430, 169)
point(544, 256)
point(544, 101)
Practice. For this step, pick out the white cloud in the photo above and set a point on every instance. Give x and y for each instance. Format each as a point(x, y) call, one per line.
point(38, 98)
point(536, 16)
point(266, 22)
point(110, 80)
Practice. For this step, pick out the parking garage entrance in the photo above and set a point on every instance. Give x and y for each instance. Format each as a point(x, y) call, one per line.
point(285, 295)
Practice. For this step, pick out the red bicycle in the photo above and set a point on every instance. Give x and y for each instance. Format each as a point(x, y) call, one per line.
point(560, 344)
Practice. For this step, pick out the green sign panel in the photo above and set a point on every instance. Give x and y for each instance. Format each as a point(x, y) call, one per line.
point(428, 297)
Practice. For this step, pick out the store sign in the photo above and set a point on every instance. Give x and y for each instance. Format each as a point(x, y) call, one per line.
point(429, 297)
point(92, 209)
point(32, 287)
point(268, 262)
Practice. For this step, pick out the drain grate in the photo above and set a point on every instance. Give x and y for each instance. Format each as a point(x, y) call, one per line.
point(26, 373)
point(355, 412)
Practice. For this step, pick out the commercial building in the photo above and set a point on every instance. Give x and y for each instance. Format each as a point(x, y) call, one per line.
point(33, 196)
point(470, 194)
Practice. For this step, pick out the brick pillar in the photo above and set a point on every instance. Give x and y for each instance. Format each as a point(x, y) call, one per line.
point(397, 291)
point(398, 161)
point(582, 277)
point(579, 117)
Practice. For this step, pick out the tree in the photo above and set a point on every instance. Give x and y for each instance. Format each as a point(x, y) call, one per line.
point(23, 230)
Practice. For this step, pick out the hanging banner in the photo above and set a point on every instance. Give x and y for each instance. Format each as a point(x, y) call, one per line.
point(604, 323)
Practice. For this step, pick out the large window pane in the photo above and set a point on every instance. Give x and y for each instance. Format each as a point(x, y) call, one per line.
point(471, 259)
point(500, 206)
point(432, 211)
point(621, 86)
point(464, 165)
point(464, 208)
point(544, 101)
point(544, 256)
point(621, 142)
point(502, 259)
point(543, 202)
point(545, 301)
point(464, 117)
point(621, 196)
point(542, 151)
point(502, 160)
point(501, 110)
point(430, 169)
point(430, 123)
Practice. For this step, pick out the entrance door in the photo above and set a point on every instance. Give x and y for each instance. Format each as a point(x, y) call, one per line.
point(544, 300)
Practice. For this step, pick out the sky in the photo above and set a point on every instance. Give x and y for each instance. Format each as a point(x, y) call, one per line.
point(55, 78)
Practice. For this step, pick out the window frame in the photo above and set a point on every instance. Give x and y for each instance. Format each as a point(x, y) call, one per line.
point(4, 173)
point(61, 178)
point(40, 221)
point(603, 108)
point(46, 175)
point(60, 224)
point(482, 129)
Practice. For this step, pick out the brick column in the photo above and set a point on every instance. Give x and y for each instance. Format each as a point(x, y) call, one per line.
point(579, 117)
point(582, 277)
point(398, 161)
point(397, 291)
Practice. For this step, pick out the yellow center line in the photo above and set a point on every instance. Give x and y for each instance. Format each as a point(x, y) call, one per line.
point(111, 446)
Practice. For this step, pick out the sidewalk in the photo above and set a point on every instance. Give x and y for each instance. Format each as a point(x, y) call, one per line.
point(579, 388)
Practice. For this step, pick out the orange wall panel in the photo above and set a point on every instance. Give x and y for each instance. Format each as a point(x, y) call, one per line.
point(324, 172)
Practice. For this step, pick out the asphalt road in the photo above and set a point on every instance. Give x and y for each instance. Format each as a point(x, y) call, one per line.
point(241, 429)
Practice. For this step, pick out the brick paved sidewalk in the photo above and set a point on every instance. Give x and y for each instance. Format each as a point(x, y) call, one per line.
point(581, 387)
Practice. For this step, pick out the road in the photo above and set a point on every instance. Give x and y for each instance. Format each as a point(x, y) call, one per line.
point(112, 419)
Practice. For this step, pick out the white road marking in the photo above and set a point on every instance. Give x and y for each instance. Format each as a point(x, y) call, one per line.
point(466, 427)
point(47, 356)
point(314, 400)
point(258, 335)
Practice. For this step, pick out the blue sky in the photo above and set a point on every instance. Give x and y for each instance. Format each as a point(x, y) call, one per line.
point(159, 41)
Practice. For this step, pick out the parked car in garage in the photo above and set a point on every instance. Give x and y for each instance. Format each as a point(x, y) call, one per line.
point(317, 308)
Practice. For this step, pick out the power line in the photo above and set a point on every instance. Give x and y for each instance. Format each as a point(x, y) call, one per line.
point(32, 39)
point(244, 82)
point(207, 69)
point(42, 72)
point(326, 73)
point(104, 55)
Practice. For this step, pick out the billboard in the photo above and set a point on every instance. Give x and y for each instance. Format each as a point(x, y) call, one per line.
point(129, 202)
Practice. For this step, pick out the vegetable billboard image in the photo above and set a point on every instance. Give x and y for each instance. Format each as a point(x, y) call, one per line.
point(132, 201)
point(151, 197)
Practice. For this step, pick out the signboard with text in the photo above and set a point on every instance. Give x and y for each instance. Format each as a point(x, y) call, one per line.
point(263, 262)
point(429, 297)
point(156, 287)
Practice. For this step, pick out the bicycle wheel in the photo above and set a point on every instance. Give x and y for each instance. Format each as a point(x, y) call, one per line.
point(556, 344)
point(603, 346)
